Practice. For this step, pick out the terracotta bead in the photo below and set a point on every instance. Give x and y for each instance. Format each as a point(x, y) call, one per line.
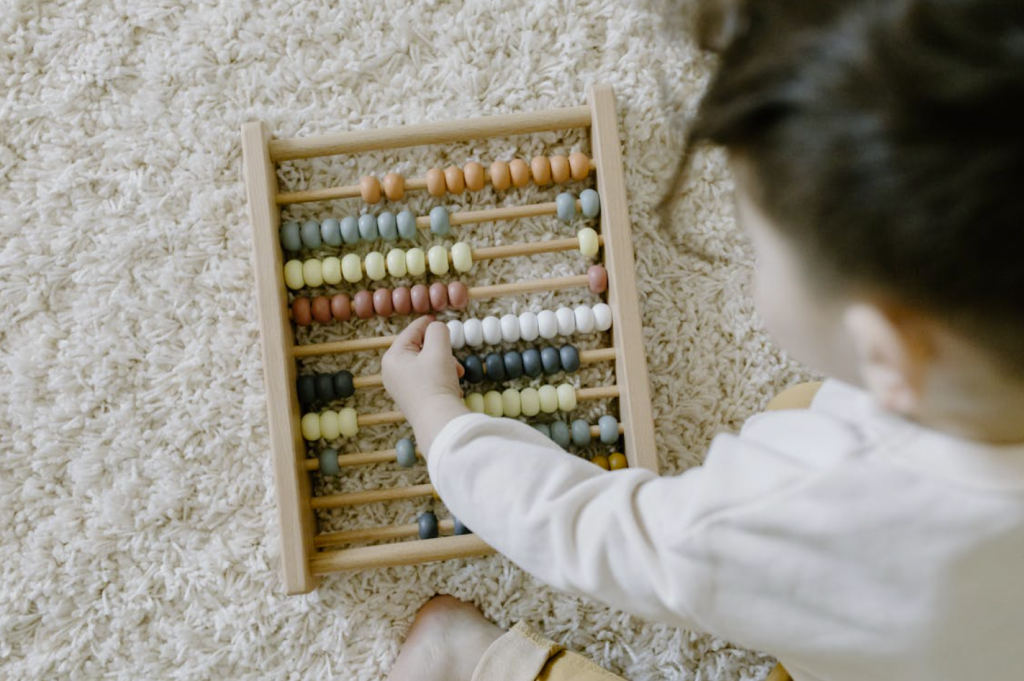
point(458, 295)
point(579, 165)
point(540, 167)
point(560, 172)
point(401, 300)
point(435, 182)
point(369, 189)
point(474, 175)
point(520, 171)
point(501, 178)
point(454, 179)
point(394, 186)
point(301, 313)
point(420, 298)
point(321, 309)
point(382, 302)
point(597, 279)
point(438, 296)
point(362, 302)
point(341, 307)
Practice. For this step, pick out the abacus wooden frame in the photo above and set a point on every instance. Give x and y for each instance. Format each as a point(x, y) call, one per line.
point(301, 562)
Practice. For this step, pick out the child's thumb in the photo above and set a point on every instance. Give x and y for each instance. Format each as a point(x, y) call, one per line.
point(437, 343)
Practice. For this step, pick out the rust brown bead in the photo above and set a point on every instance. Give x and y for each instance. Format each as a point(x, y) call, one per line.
point(435, 182)
point(321, 306)
point(369, 189)
point(560, 172)
point(579, 165)
point(540, 167)
point(501, 178)
point(420, 298)
point(341, 307)
point(362, 303)
point(301, 313)
point(454, 180)
point(597, 279)
point(394, 186)
point(520, 171)
point(458, 295)
point(438, 296)
point(401, 300)
point(382, 302)
point(474, 174)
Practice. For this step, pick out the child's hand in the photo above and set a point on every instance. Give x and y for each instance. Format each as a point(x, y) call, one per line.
point(422, 377)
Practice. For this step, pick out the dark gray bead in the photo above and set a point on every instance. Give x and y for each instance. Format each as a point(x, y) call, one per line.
point(532, 366)
point(405, 453)
point(543, 429)
point(324, 387)
point(311, 234)
point(570, 357)
point(459, 527)
point(343, 385)
point(291, 240)
point(307, 389)
point(474, 369)
point(350, 230)
point(428, 525)
point(329, 462)
point(495, 367)
point(560, 433)
point(330, 230)
point(609, 426)
point(551, 360)
point(513, 364)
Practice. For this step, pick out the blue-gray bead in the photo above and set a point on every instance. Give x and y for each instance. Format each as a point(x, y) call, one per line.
point(306, 386)
point(590, 203)
point(495, 367)
point(368, 227)
point(439, 223)
point(543, 429)
point(532, 365)
point(325, 387)
point(405, 453)
point(609, 426)
point(513, 365)
point(428, 525)
point(570, 357)
point(551, 360)
point(350, 230)
point(344, 387)
point(311, 234)
point(330, 230)
point(560, 433)
point(329, 462)
point(474, 369)
point(459, 527)
point(291, 240)
point(565, 207)
point(407, 225)
point(387, 225)
point(580, 433)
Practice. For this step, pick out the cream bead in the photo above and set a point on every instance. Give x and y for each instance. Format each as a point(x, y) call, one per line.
point(474, 330)
point(313, 273)
point(311, 426)
point(329, 425)
point(456, 334)
point(375, 266)
point(293, 274)
point(510, 328)
point(416, 261)
point(462, 257)
point(529, 401)
point(547, 324)
point(566, 321)
point(475, 403)
point(331, 270)
point(511, 403)
point(437, 256)
point(396, 262)
point(588, 241)
point(602, 317)
point(348, 422)
point(548, 396)
point(492, 330)
point(584, 318)
point(566, 397)
point(493, 403)
point(352, 268)
point(528, 329)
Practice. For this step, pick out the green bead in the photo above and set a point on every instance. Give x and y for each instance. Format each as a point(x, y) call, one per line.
point(590, 203)
point(580, 433)
point(565, 207)
point(330, 230)
point(543, 429)
point(405, 453)
point(368, 227)
point(329, 462)
point(291, 240)
point(387, 226)
point(439, 222)
point(560, 433)
point(407, 225)
point(311, 234)
point(609, 426)
point(350, 230)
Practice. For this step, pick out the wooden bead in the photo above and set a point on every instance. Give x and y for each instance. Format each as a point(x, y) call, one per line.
point(321, 308)
point(617, 461)
point(566, 321)
point(435, 182)
point(348, 422)
point(540, 167)
point(362, 303)
point(312, 272)
point(329, 429)
point(352, 268)
point(375, 267)
point(548, 395)
point(437, 257)
point(301, 312)
point(458, 295)
point(311, 426)
point(293, 274)
point(579, 165)
point(331, 270)
point(369, 189)
point(396, 262)
point(501, 177)
point(547, 324)
point(473, 173)
point(493, 404)
point(520, 171)
point(341, 307)
point(566, 397)
point(511, 404)
point(438, 293)
point(427, 525)
point(394, 186)
point(601, 461)
point(456, 334)
point(401, 300)
point(462, 257)
point(602, 317)
point(585, 321)
point(560, 171)
point(510, 332)
point(382, 302)
point(415, 262)
point(609, 427)
point(474, 331)
point(588, 241)
point(405, 453)
point(475, 402)
point(454, 180)
point(420, 298)
point(529, 400)
point(597, 279)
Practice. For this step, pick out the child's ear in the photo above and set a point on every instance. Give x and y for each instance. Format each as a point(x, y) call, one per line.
point(894, 353)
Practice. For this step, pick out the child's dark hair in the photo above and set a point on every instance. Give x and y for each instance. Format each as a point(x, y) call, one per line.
point(886, 138)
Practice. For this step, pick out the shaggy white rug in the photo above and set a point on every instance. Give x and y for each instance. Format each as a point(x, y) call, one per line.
point(137, 520)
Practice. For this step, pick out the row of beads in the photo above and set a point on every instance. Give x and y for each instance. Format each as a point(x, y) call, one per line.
point(514, 364)
point(382, 302)
point(578, 433)
point(367, 227)
point(565, 205)
point(528, 401)
point(325, 387)
point(427, 526)
point(330, 424)
point(503, 174)
point(529, 326)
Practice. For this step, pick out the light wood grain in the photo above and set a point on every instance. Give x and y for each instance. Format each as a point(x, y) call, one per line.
point(444, 527)
point(402, 553)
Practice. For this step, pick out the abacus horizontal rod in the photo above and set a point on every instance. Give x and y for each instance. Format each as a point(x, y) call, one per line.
point(401, 553)
point(533, 248)
point(337, 347)
point(442, 132)
point(446, 526)
point(371, 496)
point(474, 217)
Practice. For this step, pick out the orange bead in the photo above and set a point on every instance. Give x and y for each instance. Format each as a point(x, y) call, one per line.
point(520, 170)
point(301, 312)
point(601, 461)
point(579, 165)
point(616, 461)
point(394, 186)
point(541, 169)
point(454, 179)
point(369, 189)
point(560, 172)
point(435, 182)
point(501, 178)
point(474, 174)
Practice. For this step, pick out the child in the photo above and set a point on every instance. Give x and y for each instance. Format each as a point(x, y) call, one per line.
point(878, 152)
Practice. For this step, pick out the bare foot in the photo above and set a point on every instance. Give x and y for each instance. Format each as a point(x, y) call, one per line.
point(446, 641)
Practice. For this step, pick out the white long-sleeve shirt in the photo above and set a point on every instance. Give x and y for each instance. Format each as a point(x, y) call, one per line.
point(850, 543)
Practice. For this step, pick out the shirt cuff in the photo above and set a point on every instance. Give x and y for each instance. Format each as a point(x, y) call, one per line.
point(443, 441)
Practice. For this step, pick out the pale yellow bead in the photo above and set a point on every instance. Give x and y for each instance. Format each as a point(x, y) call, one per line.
point(348, 422)
point(312, 272)
point(529, 400)
point(511, 403)
point(352, 268)
point(462, 257)
point(311, 426)
point(475, 403)
point(566, 397)
point(331, 270)
point(293, 274)
point(548, 399)
point(396, 262)
point(329, 428)
point(493, 403)
point(375, 266)
point(416, 261)
point(588, 241)
point(437, 256)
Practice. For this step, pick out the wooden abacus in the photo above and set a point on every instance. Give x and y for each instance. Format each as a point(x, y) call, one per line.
point(307, 555)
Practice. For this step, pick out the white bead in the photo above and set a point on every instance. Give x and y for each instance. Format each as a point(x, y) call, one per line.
point(456, 333)
point(474, 332)
point(528, 327)
point(584, 318)
point(547, 324)
point(510, 328)
point(566, 321)
point(492, 330)
point(602, 317)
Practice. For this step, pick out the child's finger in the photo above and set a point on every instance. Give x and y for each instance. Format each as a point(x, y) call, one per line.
point(437, 343)
point(411, 337)
point(459, 369)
